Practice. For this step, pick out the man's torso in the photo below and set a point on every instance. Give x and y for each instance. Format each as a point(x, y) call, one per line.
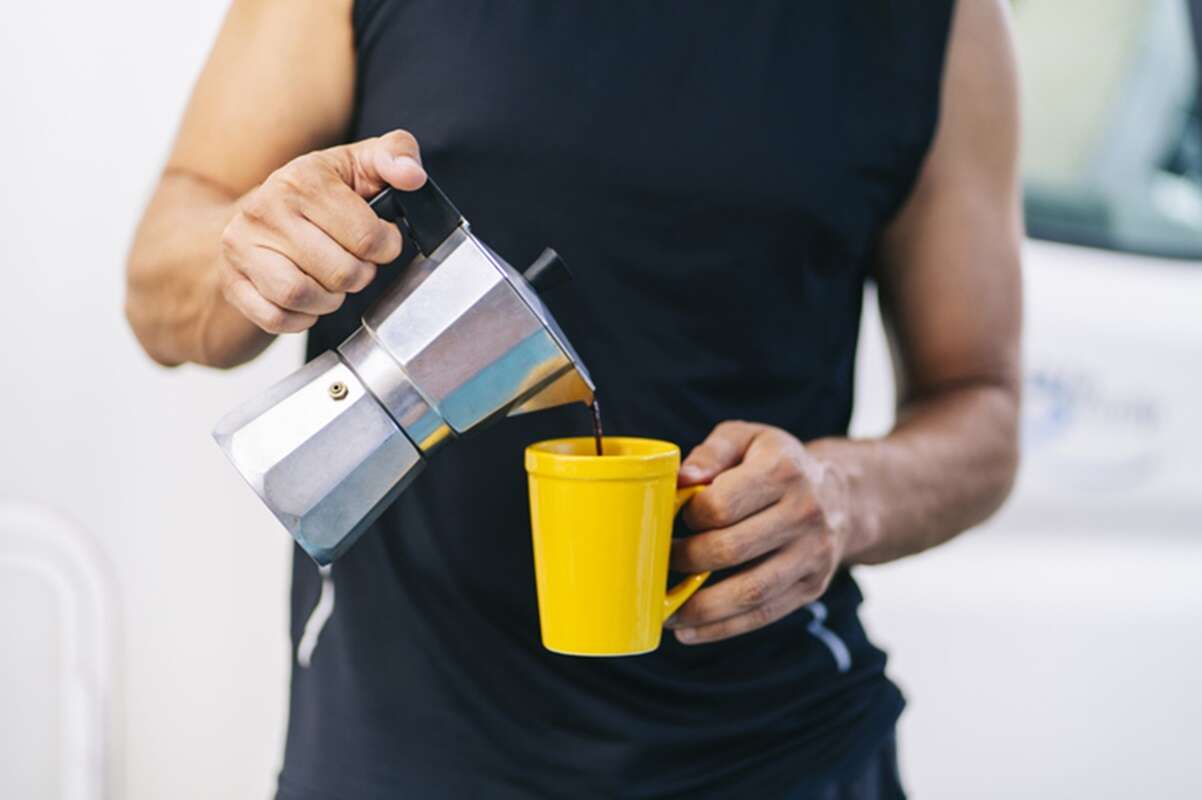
point(715, 177)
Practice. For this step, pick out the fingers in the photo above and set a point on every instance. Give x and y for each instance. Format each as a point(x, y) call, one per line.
point(328, 262)
point(733, 496)
point(330, 188)
point(396, 160)
point(761, 509)
point(721, 450)
point(777, 607)
point(268, 260)
point(743, 592)
point(393, 159)
point(722, 548)
point(769, 466)
point(343, 216)
point(281, 282)
point(802, 561)
point(242, 295)
point(307, 236)
point(789, 578)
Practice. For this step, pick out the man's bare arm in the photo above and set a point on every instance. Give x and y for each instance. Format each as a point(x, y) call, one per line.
point(950, 293)
point(789, 514)
point(234, 247)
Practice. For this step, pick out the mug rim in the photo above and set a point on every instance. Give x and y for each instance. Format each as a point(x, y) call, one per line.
point(542, 459)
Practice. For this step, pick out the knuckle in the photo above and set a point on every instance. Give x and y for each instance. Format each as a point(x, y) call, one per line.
point(257, 207)
point(778, 436)
point(811, 515)
point(387, 244)
point(824, 552)
point(703, 454)
point(301, 176)
point(295, 293)
point(272, 320)
point(786, 468)
point(762, 615)
point(364, 275)
point(364, 241)
point(754, 592)
point(342, 279)
point(730, 550)
point(730, 426)
point(812, 587)
point(231, 239)
point(352, 277)
point(715, 510)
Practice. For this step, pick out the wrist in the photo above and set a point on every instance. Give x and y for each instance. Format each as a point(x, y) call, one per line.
point(847, 465)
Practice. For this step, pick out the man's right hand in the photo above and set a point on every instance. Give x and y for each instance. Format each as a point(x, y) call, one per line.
point(306, 236)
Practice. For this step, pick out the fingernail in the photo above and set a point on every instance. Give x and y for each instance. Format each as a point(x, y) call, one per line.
point(690, 472)
point(670, 621)
point(686, 635)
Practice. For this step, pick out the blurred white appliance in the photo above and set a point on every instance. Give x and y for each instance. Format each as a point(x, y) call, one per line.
point(58, 636)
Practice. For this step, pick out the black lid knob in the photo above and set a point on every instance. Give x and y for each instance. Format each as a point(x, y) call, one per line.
point(547, 272)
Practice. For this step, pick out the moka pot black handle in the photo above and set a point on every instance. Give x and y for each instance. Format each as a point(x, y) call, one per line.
point(425, 215)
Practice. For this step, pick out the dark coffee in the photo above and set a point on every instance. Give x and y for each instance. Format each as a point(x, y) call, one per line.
point(598, 434)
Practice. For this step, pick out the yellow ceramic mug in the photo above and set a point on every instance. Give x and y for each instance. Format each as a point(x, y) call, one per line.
point(602, 528)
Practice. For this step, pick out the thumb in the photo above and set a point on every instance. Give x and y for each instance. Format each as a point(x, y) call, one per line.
point(722, 449)
point(393, 159)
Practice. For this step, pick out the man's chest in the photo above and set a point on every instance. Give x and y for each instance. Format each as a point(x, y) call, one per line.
point(714, 109)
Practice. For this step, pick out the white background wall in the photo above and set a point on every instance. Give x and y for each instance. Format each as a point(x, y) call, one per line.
point(91, 93)
point(1042, 659)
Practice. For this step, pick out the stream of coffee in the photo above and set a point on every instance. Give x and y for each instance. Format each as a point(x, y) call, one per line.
point(598, 434)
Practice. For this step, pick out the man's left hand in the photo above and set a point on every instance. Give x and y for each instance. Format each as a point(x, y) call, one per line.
point(772, 506)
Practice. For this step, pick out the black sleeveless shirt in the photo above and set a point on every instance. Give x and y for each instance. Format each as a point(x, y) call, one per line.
point(716, 176)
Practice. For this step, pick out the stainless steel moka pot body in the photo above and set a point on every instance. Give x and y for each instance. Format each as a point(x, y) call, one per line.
point(460, 339)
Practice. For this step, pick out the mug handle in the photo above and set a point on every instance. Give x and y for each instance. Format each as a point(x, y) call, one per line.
point(678, 594)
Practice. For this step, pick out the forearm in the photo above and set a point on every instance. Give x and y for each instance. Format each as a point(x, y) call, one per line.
point(173, 300)
point(947, 465)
